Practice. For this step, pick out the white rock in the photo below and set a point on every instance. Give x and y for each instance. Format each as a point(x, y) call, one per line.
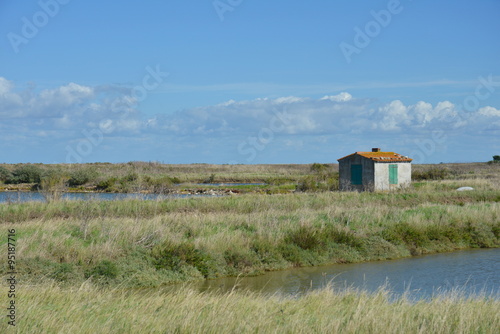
point(465, 188)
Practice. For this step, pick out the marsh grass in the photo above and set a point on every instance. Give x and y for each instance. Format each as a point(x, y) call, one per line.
point(86, 309)
point(150, 243)
point(269, 179)
point(82, 264)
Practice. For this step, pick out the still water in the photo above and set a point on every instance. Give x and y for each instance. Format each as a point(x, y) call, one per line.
point(15, 197)
point(470, 272)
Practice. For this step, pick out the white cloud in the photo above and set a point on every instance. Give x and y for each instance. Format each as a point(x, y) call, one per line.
point(68, 107)
point(394, 115)
point(5, 86)
point(66, 95)
point(289, 99)
point(60, 114)
point(342, 97)
point(489, 112)
point(74, 106)
point(423, 112)
point(335, 114)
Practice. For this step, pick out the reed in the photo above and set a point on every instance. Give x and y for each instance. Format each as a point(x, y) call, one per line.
point(149, 243)
point(83, 265)
point(148, 176)
point(51, 309)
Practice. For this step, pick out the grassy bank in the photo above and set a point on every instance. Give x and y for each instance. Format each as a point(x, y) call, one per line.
point(164, 178)
point(149, 243)
point(79, 262)
point(50, 309)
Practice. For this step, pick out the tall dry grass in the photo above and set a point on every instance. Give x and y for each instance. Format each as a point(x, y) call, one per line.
point(133, 176)
point(78, 260)
point(50, 309)
point(149, 243)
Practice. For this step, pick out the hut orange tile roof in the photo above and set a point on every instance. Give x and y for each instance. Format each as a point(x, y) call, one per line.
point(381, 156)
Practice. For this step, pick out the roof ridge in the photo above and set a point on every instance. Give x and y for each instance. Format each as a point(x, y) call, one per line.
point(381, 156)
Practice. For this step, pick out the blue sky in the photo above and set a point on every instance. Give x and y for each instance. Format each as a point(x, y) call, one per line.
point(248, 81)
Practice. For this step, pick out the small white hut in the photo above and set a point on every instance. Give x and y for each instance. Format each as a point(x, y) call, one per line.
point(375, 170)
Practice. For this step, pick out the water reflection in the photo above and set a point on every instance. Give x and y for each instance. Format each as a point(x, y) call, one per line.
point(470, 272)
point(18, 197)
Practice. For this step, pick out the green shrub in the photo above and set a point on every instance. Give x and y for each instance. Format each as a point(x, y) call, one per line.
point(52, 184)
point(174, 257)
point(175, 179)
point(266, 251)
point(26, 174)
point(324, 182)
point(159, 185)
point(309, 183)
point(107, 184)
point(239, 259)
point(305, 237)
point(404, 233)
point(479, 235)
point(319, 168)
point(298, 256)
point(496, 159)
point(434, 173)
point(81, 177)
point(313, 238)
point(445, 233)
point(278, 181)
point(332, 183)
point(210, 179)
point(131, 177)
point(104, 269)
point(5, 174)
point(63, 272)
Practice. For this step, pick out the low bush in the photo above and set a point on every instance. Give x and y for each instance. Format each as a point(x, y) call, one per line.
point(63, 272)
point(320, 168)
point(496, 160)
point(52, 185)
point(434, 173)
point(107, 184)
point(82, 176)
point(104, 269)
point(174, 257)
point(26, 174)
point(131, 177)
point(160, 185)
point(404, 233)
point(5, 174)
point(318, 183)
point(239, 260)
point(313, 238)
point(278, 181)
point(210, 179)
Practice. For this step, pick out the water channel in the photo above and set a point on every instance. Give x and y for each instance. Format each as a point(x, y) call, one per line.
point(17, 197)
point(471, 272)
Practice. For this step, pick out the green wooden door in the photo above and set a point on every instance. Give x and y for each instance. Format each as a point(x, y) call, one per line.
point(356, 174)
point(393, 174)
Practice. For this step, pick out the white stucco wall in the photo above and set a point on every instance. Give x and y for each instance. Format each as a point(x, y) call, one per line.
point(382, 175)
